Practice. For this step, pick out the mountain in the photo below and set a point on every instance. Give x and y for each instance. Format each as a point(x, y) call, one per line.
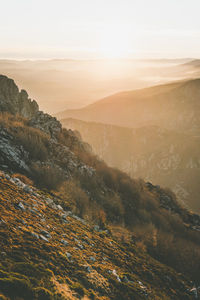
point(165, 157)
point(194, 63)
point(60, 84)
point(71, 227)
point(171, 106)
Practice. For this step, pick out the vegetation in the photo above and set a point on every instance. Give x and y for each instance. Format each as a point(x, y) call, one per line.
point(156, 224)
point(100, 266)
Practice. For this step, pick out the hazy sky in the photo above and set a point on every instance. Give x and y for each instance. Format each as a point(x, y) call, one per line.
point(99, 28)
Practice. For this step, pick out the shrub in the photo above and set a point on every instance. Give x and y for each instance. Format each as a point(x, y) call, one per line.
point(72, 192)
point(34, 141)
point(47, 176)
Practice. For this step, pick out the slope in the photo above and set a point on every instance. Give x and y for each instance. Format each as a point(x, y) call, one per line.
point(172, 106)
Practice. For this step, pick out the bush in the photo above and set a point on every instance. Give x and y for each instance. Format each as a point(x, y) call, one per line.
point(46, 176)
point(34, 141)
point(72, 192)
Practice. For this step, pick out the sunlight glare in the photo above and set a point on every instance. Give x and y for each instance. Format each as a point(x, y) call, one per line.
point(115, 42)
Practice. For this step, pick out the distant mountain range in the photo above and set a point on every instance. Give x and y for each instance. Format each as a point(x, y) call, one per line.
point(172, 106)
point(60, 84)
point(156, 135)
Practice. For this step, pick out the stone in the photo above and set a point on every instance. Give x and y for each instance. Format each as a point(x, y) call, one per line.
point(114, 272)
point(96, 228)
point(68, 255)
point(59, 207)
point(46, 234)
point(49, 201)
point(27, 189)
point(35, 235)
point(43, 238)
point(92, 258)
point(64, 242)
point(21, 206)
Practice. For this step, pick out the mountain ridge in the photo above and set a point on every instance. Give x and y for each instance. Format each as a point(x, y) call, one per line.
point(137, 108)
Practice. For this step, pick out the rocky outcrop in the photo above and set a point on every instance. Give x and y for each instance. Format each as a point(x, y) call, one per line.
point(12, 156)
point(46, 123)
point(60, 143)
point(14, 101)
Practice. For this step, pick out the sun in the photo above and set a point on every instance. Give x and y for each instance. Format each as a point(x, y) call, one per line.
point(115, 43)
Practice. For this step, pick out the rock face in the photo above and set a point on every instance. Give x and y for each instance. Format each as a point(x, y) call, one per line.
point(46, 123)
point(14, 101)
point(12, 156)
point(58, 143)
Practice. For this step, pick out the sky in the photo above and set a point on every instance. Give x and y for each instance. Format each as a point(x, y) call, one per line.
point(90, 29)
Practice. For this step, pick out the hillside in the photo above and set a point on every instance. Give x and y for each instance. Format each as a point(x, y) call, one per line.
point(171, 106)
point(50, 253)
point(164, 157)
point(71, 223)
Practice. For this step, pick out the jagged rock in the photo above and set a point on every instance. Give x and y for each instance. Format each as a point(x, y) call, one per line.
point(114, 272)
point(35, 235)
point(42, 237)
point(14, 101)
point(46, 234)
point(50, 125)
point(11, 154)
point(59, 207)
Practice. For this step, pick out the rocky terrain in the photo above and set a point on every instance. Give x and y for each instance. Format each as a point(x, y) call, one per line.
point(50, 253)
point(73, 228)
point(165, 157)
point(14, 101)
